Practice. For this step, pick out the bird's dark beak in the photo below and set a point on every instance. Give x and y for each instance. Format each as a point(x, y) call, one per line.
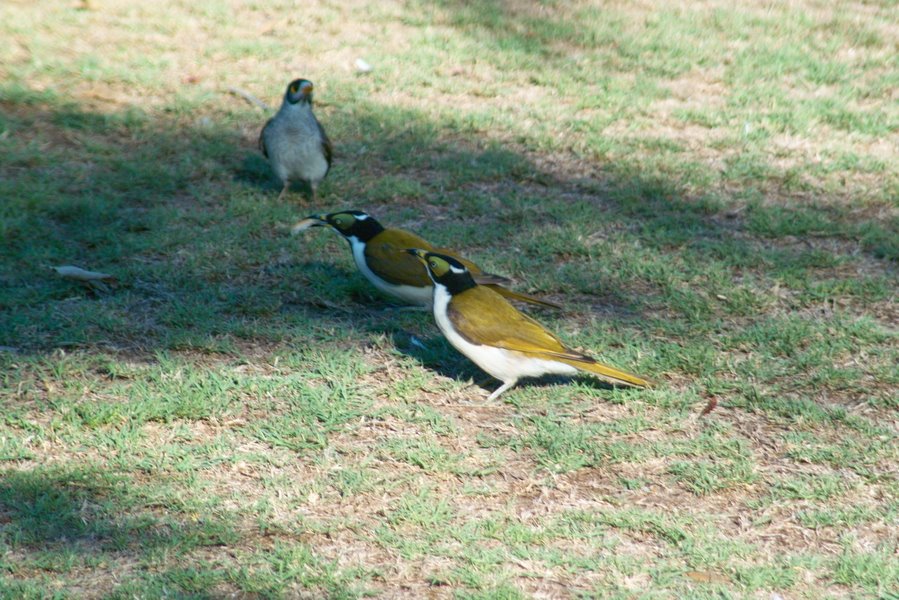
point(307, 89)
point(417, 253)
point(310, 221)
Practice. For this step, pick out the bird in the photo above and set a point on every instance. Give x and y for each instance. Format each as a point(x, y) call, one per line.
point(496, 336)
point(294, 141)
point(380, 255)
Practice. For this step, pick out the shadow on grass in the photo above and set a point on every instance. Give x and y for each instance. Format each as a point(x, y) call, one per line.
point(255, 171)
point(75, 522)
point(181, 213)
point(75, 519)
point(519, 27)
point(435, 353)
point(80, 524)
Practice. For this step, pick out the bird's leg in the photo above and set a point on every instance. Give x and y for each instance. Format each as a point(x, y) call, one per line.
point(284, 190)
point(313, 196)
point(505, 386)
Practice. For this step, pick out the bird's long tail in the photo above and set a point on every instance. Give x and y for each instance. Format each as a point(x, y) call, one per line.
point(609, 373)
point(506, 292)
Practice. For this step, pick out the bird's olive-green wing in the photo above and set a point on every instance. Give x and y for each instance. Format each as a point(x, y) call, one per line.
point(482, 316)
point(387, 257)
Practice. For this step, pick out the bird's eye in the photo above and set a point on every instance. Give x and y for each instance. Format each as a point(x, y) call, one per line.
point(433, 264)
point(294, 88)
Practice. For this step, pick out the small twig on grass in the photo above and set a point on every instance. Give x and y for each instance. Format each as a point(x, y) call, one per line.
point(249, 97)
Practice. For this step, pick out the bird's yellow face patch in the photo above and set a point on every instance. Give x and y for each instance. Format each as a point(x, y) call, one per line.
point(438, 266)
point(343, 221)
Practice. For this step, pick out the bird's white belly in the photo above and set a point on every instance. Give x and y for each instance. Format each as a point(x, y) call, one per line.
point(420, 296)
point(505, 365)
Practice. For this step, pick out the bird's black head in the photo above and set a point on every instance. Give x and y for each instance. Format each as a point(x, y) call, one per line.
point(445, 270)
point(353, 223)
point(299, 91)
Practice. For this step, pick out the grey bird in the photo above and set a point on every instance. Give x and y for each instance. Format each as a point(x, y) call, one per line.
point(294, 141)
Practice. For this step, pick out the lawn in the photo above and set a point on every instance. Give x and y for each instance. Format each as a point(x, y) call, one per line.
point(711, 191)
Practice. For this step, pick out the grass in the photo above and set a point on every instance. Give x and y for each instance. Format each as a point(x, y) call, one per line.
point(710, 191)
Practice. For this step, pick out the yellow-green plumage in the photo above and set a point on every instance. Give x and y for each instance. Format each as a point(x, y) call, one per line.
point(496, 336)
point(380, 254)
point(386, 255)
point(483, 317)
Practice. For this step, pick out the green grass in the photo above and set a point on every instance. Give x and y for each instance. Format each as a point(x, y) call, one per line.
point(711, 191)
